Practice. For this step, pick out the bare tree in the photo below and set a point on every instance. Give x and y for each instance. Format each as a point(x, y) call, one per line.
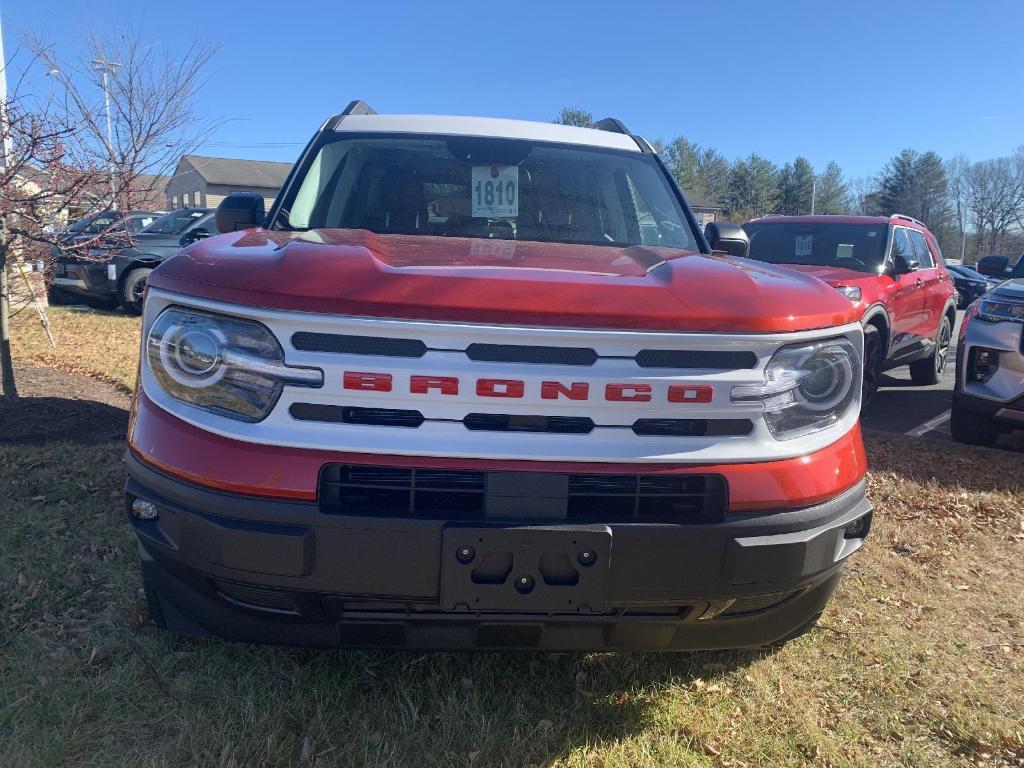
point(994, 195)
point(40, 176)
point(152, 111)
point(62, 156)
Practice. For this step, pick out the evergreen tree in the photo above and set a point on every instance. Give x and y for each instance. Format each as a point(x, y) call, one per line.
point(832, 190)
point(574, 116)
point(796, 187)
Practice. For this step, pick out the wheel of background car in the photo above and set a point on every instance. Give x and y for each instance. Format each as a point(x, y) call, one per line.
point(971, 429)
point(929, 370)
point(960, 300)
point(132, 289)
point(58, 297)
point(872, 364)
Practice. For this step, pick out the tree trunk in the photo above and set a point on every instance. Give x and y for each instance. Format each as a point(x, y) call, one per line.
point(7, 388)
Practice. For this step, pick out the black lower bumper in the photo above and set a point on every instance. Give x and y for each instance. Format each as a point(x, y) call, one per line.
point(86, 278)
point(283, 572)
point(1009, 415)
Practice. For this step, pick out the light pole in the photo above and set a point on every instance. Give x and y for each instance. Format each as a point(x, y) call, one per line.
point(107, 68)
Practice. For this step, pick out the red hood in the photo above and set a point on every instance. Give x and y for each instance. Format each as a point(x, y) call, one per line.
point(831, 275)
point(354, 272)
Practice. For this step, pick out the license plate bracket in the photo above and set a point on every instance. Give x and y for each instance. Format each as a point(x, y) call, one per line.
point(526, 569)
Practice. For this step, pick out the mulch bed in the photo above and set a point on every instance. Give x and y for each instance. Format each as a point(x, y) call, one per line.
point(55, 406)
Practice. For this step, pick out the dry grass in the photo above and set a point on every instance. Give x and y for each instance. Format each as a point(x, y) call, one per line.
point(918, 661)
point(98, 343)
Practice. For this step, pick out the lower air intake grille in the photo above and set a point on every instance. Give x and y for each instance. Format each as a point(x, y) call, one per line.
point(266, 598)
point(440, 494)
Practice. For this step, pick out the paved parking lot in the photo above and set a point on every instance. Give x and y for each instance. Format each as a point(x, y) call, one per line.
point(902, 407)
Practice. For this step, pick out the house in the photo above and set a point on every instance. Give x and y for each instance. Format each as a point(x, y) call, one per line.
point(203, 182)
point(703, 210)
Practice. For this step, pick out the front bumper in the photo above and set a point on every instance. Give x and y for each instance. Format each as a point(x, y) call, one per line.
point(85, 277)
point(275, 571)
point(1008, 415)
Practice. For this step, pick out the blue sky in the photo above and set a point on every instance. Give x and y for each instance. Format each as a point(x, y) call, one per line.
point(855, 83)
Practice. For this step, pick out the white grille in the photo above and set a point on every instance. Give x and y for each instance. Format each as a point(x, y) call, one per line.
point(442, 432)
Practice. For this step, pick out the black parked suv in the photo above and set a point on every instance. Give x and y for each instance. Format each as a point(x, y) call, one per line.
point(90, 234)
point(117, 269)
point(969, 284)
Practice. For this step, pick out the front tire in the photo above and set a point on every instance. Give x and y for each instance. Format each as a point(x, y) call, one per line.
point(971, 429)
point(872, 364)
point(58, 297)
point(132, 290)
point(929, 370)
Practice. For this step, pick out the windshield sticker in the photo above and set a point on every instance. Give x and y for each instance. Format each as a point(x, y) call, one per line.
point(500, 250)
point(495, 191)
point(803, 245)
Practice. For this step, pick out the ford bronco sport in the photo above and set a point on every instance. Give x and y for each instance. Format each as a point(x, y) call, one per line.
point(891, 270)
point(482, 383)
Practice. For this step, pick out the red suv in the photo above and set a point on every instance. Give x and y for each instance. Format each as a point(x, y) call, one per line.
point(889, 267)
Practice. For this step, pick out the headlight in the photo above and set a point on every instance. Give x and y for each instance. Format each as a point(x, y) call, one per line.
point(851, 292)
point(225, 365)
point(994, 311)
point(808, 387)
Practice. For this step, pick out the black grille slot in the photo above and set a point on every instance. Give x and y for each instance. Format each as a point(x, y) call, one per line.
point(266, 598)
point(396, 492)
point(756, 603)
point(648, 498)
point(698, 358)
point(512, 353)
point(503, 422)
point(339, 414)
point(358, 345)
point(693, 427)
point(461, 495)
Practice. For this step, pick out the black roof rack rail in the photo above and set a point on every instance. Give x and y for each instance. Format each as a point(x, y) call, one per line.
point(355, 107)
point(614, 125)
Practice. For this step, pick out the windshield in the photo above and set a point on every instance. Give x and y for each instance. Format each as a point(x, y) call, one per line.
point(93, 225)
point(860, 247)
point(173, 223)
point(486, 188)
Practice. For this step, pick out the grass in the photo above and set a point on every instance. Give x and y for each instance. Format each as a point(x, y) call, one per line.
point(917, 662)
point(98, 343)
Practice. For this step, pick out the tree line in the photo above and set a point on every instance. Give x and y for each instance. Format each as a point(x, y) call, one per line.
point(973, 208)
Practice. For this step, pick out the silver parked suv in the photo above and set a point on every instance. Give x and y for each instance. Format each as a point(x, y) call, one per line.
point(989, 394)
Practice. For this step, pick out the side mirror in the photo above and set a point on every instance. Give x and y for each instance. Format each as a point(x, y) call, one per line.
point(993, 266)
point(239, 210)
point(901, 266)
point(727, 237)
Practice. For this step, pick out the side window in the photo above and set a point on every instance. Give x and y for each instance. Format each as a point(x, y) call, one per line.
point(901, 245)
point(921, 250)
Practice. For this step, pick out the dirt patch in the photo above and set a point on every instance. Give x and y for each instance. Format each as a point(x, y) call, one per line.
point(54, 405)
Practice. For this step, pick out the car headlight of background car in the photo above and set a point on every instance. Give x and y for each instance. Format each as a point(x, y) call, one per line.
point(852, 292)
point(226, 365)
point(996, 310)
point(808, 387)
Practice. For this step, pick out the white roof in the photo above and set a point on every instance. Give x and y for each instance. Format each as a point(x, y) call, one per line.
point(486, 126)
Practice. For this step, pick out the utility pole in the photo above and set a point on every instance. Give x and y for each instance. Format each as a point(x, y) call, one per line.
point(6, 362)
point(814, 193)
point(107, 68)
point(963, 236)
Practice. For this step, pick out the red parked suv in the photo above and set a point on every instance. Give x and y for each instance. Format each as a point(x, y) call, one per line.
point(889, 267)
point(482, 383)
